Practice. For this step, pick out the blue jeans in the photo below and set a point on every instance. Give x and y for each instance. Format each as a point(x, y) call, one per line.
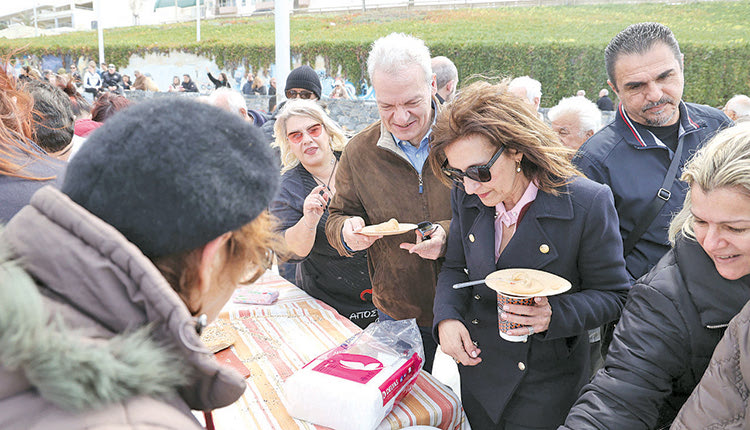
point(428, 342)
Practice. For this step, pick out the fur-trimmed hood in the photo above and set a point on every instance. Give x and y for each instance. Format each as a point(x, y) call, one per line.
point(87, 320)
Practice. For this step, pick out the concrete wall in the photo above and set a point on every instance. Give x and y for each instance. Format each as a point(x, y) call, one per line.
point(352, 115)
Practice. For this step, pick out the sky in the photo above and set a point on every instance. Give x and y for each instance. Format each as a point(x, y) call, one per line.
point(8, 7)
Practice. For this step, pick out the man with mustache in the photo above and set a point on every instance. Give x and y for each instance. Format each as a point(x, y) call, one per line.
point(633, 153)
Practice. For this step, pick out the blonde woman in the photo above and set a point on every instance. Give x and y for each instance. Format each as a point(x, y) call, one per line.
point(677, 313)
point(310, 143)
point(259, 86)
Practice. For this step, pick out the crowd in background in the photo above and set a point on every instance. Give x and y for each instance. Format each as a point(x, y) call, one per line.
point(491, 182)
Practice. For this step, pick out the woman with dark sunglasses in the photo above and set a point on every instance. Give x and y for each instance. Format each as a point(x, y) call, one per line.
point(310, 143)
point(518, 203)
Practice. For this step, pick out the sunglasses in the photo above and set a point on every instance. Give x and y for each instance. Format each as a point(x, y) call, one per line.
point(304, 94)
point(475, 173)
point(313, 131)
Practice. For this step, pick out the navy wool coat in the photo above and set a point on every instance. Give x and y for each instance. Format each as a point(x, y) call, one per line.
point(574, 235)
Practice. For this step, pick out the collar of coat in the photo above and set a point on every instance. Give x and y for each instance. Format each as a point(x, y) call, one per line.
point(717, 299)
point(639, 137)
point(545, 205)
point(86, 298)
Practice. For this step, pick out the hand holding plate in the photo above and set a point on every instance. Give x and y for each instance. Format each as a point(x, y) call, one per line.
point(352, 238)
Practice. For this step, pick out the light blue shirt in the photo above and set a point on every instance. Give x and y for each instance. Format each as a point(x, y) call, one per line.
point(416, 155)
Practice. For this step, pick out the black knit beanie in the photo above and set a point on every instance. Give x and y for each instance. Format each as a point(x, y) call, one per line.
point(172, 174)
point(304, 77)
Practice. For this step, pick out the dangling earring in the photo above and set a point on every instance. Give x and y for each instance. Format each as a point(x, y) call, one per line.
point(200, 323)
point(518, 166)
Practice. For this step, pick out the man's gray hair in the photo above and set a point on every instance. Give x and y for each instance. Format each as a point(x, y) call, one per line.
point(532, 86)
point(397, 51)
point(639, 39)
point(589, 116)
point(740, 105)
point(444, 70)
point(229, 100)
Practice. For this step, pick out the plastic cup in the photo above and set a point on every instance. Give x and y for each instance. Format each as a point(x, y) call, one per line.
point(504, 325)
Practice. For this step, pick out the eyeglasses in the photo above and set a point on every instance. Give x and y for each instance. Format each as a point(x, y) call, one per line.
point(313, 131)
point(304, 94)
point(477, 173)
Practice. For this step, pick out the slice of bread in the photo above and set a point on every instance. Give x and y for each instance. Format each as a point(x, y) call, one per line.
point(390, 225)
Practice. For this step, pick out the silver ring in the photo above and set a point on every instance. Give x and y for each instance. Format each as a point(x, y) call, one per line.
point(531, 330)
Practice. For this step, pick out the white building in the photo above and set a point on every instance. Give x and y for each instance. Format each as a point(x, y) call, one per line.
point(67, 15)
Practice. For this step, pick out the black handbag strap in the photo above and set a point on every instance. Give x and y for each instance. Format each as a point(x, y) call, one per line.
point(656, 204)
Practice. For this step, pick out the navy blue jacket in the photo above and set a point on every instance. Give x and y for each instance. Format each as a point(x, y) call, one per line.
point(15, 192)
point(573, 235)
point(632, 161)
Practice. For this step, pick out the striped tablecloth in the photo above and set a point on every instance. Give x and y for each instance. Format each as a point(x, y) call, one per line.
point(273, 341)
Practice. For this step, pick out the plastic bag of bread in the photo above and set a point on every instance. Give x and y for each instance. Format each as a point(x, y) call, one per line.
point(355, 385)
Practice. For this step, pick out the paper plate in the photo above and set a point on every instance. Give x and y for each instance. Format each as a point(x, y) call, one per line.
point(403, 227)
point(526, 282)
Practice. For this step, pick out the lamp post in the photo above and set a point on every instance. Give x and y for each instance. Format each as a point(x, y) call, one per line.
point(100, 30)
point(283, 56)
point(197, 20)
point(36, 25)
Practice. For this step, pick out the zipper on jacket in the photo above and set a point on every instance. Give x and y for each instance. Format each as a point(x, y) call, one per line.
point(715, 326)
point(419, 175)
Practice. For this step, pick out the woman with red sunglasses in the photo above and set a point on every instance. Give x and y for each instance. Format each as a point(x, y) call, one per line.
point(310, 143)
point(518, 203)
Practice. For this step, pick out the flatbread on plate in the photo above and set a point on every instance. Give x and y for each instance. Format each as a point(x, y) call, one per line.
point(526, 282)
point(388, 228)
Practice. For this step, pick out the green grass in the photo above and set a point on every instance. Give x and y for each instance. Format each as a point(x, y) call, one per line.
point(712, 23)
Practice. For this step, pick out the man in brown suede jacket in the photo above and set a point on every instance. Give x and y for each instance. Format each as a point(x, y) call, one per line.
point(383, 175)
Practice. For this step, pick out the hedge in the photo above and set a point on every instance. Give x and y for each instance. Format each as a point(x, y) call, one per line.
point(712, 74)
